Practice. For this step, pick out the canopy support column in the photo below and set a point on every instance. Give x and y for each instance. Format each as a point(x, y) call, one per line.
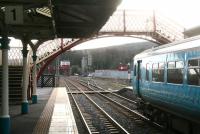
point(34, 78)
point(34, 70)
point(4, 117)
point(24, 108)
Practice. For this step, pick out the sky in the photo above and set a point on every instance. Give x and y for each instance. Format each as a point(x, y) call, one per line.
point(184, 12)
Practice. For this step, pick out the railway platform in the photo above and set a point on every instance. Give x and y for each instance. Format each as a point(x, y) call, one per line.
point(51, 115)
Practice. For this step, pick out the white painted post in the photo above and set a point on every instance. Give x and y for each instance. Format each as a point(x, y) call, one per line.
point(5, 103)
point(24, 109)
point(34, 78)
point(4, 117)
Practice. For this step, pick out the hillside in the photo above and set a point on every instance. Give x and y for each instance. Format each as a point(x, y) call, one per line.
point(107, 57)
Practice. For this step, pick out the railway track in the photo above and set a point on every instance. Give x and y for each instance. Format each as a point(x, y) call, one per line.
point(118, 98)
point(113, 106)
point(95, 119)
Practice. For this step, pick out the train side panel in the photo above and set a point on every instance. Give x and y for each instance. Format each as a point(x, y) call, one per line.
point(181, 98)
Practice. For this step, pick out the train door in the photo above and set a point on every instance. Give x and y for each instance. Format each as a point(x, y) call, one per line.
point(138, 77)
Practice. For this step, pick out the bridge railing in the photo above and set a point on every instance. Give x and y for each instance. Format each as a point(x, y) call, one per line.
point(48, 48)
point(143, 22)
point(129, 21)
point(168, 28)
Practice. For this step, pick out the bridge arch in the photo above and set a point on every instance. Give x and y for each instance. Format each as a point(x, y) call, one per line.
point(146, 38)
point(64, 47)
point(147, 25)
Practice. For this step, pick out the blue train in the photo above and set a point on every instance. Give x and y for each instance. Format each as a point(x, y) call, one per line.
point(167, 81)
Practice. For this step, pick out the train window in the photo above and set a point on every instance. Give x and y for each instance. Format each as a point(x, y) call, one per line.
point(179, 64)
point(175, 72)
point(147, 71)
point(155, 72)
point(171, 65)
point(158, 72)
point(194, 72)
point(134, 70)
point(161, 72)
point(194, 62)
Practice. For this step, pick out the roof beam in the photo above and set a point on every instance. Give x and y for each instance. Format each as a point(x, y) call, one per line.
point(76, 24)
point(22, 2)
point(77, 15)
point(109, 3)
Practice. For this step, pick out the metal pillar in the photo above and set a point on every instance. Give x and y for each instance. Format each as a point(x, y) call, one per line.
point(58, 66)
point(4, 117)
point(34, 78)
point(24, 108)
point(57, 70)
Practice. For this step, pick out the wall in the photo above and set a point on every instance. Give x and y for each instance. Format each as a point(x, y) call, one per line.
point(111, 74)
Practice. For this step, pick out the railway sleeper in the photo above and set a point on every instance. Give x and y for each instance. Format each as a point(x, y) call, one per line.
point(113, 129)
point(115, 132)
point(92, 128)
point(109, 125)
point(95, 132)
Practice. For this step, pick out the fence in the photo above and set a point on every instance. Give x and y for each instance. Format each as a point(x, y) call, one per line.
point(46, 81)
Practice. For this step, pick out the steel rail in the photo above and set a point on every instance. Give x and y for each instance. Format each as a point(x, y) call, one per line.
point(79, 111)
point(130, 110)
point(112, 93)
point(122, 97)
point(116, 95)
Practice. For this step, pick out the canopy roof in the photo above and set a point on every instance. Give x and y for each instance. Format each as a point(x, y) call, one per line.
point(46, 19)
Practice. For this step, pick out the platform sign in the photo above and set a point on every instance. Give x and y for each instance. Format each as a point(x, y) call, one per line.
point(14, 14)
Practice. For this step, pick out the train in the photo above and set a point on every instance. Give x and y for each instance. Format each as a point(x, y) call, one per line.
point(166, 80)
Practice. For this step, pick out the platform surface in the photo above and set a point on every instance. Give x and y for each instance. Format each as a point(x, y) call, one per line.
point(62, 120)
point(57, 116)
point(25, 123)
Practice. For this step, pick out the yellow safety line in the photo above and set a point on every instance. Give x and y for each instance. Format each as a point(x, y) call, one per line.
point(42, 126)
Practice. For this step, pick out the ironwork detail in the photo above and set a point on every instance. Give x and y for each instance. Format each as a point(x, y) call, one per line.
point(143, 23)
point(15, 57)
point(46, 81)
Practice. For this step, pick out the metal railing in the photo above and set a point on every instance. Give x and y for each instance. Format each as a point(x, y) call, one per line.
point(122, 22)
point(129, 21)
point(48, 48)
point(168, 28)
point(142, 22)
point(15, 57)
point(51, 47)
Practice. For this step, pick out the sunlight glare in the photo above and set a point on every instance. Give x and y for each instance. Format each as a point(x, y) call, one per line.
point(185, 12)
point(106, 42)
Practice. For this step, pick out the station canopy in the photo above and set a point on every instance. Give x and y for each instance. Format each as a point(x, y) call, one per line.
point(47, 19)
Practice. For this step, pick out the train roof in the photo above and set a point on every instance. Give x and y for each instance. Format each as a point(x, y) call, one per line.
point(171, 47)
